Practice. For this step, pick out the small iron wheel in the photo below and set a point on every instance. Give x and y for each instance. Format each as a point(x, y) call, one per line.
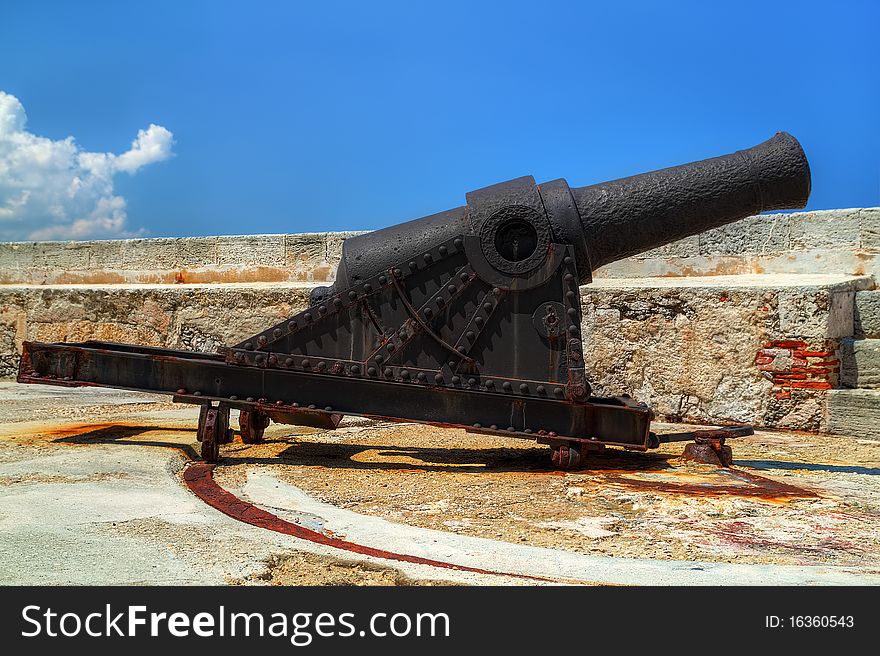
point(567, 456)
point(213, 431)
point(252, 425)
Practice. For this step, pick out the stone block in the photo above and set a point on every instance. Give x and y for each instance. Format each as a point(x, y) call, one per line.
point(860, 363)
point(825, 229)
point(816, 313)
point(687, 247)
point(764, 233)
point(867, 314)
point(263, 250)
point(854, 412)
point(158, 254)
point(869, 228)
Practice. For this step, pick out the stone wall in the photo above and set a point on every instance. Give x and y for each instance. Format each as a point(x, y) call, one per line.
point(767, 321)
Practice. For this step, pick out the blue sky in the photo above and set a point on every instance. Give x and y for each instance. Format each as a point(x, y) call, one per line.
point(292, 117)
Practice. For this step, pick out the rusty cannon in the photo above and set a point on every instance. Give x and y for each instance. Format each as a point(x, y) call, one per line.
point(468, 318)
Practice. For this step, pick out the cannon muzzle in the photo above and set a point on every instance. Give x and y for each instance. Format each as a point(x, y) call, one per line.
point(516, 221)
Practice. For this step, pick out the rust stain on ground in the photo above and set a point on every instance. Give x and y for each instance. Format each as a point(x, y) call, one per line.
point(720, 482)
point(76, 430)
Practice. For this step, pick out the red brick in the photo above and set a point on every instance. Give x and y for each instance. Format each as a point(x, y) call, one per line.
point(812, 384)
point(812, 354)
point(786, 344)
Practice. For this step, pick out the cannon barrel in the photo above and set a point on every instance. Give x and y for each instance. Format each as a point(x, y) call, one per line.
point(631, 215)
point(603, 222)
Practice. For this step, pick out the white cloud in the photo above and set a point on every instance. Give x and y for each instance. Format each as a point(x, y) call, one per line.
point(55, 190)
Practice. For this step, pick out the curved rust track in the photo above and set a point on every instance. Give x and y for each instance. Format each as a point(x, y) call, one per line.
point(199, 478)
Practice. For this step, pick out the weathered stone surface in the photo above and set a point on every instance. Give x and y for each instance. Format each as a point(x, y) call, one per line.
point(825, 229)
point(152, 254)
point(860, 363)
point(266, 250)
point(175, 316)
point(765, 233)
point(822, 313)
point(687, 247)
point(869, 228)
point(749, 349)
point(866, 316)
point(854, 412)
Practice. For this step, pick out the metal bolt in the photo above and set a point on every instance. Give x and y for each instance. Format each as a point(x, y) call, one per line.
point(305, 363)
point(322, 309)
point(478, 425)
point(559, 391)
point(307, 316)
point(443, 250)
point(487, 307)
point(422, 377)
point(382, 280)
point(438, 378)
point(292, 326)
point(490, 384)
point(413, 265)
point(371, 371)
point(368, 287)
point(388, 373)
point(568, 277)
point(322, 365)
point(337, 303)
point(457, 242)
point(470, 335)
point(355, 369)
point(429, 313)
point(507, 386)
point(456, 380)
point(479, 321)
point(277, 333)
point(427, 257)
point(472, 382)
point(352, 294)
point(523, 388)
point(464, 276)
point(404, 374)
point(540, 389)
point(249, 346)
point(452, 289)
point(328, 408)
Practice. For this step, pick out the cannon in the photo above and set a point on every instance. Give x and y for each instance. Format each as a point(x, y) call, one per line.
point(469, 318)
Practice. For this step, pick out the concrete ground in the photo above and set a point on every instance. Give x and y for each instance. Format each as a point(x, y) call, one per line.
point(92, 491)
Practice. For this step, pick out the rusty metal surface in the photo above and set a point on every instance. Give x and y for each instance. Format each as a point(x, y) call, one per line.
point(470, 318)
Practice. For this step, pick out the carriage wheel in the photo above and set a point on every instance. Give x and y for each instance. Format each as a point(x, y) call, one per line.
point(568, 456)
point(213, 431)
point(252, 424)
